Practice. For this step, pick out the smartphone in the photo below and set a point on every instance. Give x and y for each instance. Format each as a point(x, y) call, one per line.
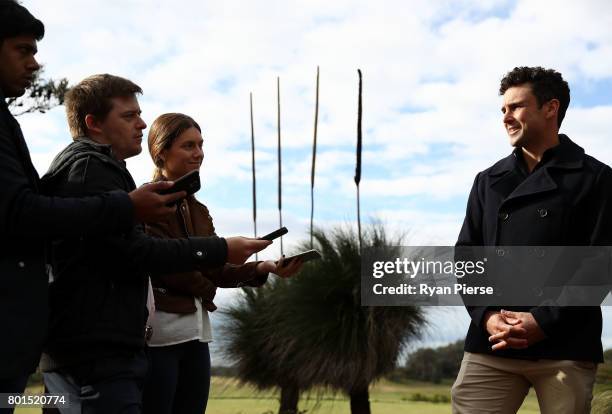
point(189, 183)
point(304, 256)
point(275, 234)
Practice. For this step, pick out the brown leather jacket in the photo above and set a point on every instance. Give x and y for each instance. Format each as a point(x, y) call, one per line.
point(175, 293)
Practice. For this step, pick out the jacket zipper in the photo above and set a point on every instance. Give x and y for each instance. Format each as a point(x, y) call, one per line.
point(183, 221)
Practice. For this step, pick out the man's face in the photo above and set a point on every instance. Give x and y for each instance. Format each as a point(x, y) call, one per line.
point(17, 64)
point(122, 127)
point(525, 123)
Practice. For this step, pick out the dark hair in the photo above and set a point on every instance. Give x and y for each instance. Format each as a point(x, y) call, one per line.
point(93, 96)
point(163, 132)
point(16, 20)
point(546, 84)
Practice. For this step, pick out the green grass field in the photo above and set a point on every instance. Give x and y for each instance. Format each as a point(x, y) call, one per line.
point(227, 397)
point(385, 397)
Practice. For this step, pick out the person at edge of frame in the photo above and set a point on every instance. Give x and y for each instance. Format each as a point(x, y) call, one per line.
point(546, 192)
point(179, 377)
point(28, 219)
point(95, 350)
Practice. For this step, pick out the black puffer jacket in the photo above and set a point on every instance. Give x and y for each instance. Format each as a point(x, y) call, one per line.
point(98, 297)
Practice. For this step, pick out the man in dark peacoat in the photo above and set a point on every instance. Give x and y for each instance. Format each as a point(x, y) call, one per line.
point(547, 192)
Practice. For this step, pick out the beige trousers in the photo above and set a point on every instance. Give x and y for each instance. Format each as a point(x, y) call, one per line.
point(490, 384)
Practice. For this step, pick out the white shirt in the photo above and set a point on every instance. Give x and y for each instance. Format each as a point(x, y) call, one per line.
point(176, 328)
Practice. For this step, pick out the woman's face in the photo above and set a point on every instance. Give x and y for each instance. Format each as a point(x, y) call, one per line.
point(184, 155)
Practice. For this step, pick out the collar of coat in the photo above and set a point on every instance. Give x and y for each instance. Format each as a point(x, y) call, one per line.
point(3, 102)
point(566, 155)
point(105, 149)
point(80, 147)
point(506, 179)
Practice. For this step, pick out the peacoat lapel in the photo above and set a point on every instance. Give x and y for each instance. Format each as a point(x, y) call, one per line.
point(539, 181)
point(509, 182)
point(505, 177)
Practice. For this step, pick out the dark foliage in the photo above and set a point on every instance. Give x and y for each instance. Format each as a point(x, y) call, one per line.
point(43, 95)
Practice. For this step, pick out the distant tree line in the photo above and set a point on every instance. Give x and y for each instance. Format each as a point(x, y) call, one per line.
point(432, 364)
point(221, 371)
point(443, 363)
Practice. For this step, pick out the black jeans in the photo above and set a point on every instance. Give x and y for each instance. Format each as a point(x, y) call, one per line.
point(179, 379)
point(14, 385)
point(107, 386)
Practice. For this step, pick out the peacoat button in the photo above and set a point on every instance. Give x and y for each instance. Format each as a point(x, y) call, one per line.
point(21, 265)
point(542, 212)
point(504, 215)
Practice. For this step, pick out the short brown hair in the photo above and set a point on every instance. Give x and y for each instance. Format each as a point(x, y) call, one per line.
point(93, 96)
point(164, 130)
point(546, 84)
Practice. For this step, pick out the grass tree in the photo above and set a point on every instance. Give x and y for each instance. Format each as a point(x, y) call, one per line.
point(311, 331)
point(247, 333)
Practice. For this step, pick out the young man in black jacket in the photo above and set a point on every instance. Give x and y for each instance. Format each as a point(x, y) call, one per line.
point(547, 192)
point(99, 293)
point(28, 219)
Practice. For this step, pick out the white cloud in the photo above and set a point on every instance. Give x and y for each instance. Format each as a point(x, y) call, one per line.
point(431, 73)
point(431, 111)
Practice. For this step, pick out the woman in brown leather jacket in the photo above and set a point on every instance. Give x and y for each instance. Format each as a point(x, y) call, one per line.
point(179, 378)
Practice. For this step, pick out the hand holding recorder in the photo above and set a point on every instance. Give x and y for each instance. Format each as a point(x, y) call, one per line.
point(281, 268)
point(155, 201)
point(241, 248)
point(150, 205)
point(188, 184)
point(285, 266)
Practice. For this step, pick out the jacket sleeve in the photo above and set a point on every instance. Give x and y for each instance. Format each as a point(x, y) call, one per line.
point(555, 320)
point(139, 251)
point(25, 213)
point(230, 276)
point(471, 234)
point(224, 276)
point(162, 256)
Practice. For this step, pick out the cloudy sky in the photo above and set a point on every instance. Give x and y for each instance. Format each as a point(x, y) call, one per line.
point(431, 113)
